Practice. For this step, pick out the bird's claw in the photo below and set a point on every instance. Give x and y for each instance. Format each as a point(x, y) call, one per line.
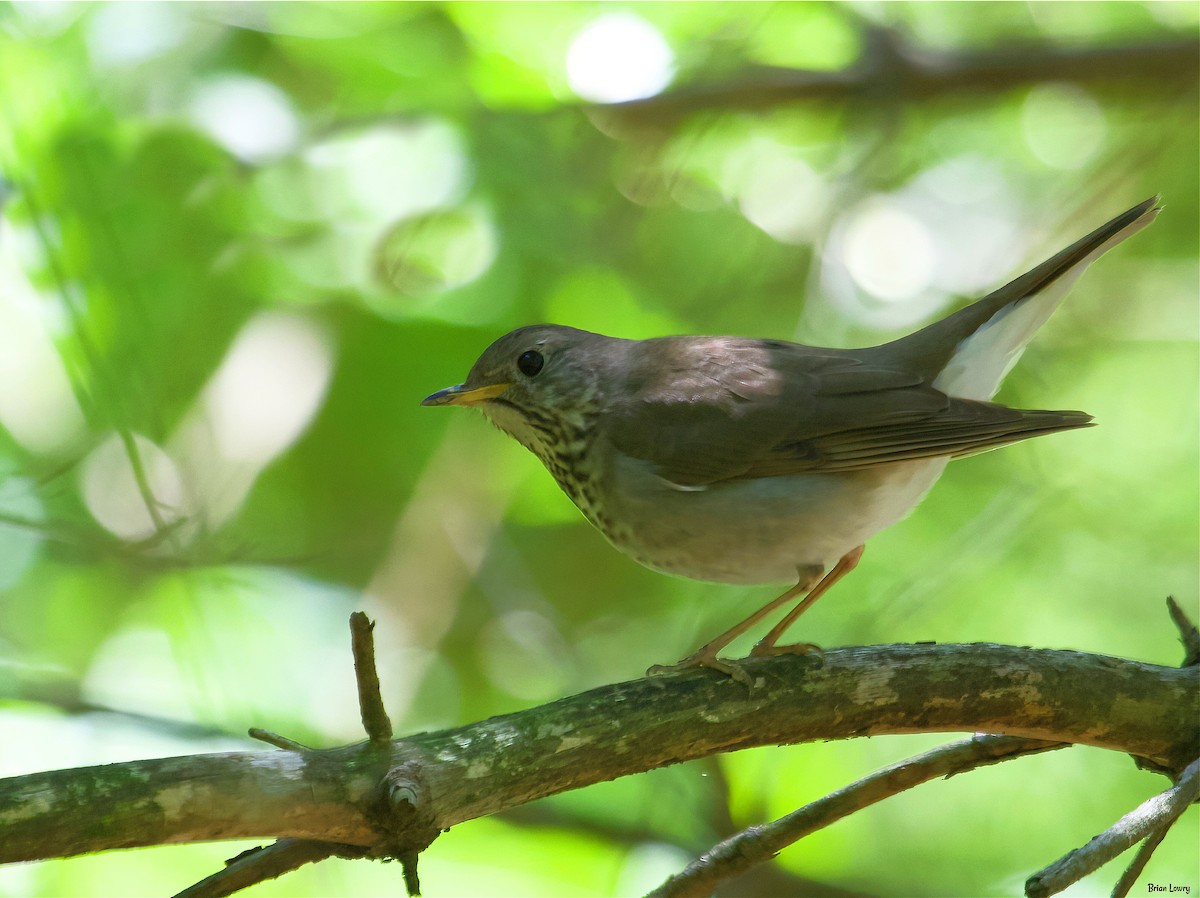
point(795, 648)
point(730, 668)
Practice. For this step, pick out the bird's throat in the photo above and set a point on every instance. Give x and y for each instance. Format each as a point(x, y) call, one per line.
point(565, 444)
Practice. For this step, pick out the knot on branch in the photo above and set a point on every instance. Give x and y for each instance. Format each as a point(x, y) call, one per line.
point(402, 816)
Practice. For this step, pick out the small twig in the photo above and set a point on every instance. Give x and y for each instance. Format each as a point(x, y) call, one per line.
point(1188, 634)
point(408, 867)
point(275, 739)
point(370, 702)
point(1155, 814)
point(757, 844)
point(142, 479)
point(260, 864)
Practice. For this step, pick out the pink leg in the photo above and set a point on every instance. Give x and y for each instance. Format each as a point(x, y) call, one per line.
point(767, 646)
point(706, 655)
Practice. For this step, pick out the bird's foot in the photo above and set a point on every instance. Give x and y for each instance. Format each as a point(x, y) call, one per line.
point(796, 648)
point(704, 659)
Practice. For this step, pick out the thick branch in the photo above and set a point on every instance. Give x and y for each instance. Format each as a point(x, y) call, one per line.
point(356, 797)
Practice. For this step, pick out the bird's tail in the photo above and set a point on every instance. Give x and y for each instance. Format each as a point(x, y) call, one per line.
point(972, 350)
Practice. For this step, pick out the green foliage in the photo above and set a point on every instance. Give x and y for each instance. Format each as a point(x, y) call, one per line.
point(256, 235)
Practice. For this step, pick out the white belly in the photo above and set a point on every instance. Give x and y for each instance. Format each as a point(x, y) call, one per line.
point(762, 530)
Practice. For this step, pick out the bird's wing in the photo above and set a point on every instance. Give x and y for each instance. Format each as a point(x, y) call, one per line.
point(729, 409)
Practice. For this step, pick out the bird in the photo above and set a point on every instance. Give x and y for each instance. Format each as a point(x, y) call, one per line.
point(754, 461)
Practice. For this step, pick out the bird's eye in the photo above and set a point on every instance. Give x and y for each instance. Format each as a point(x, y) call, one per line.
point(530, 362)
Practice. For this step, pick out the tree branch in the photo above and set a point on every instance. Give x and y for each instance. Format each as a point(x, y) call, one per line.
point(890, 68)
point(394, 802)
point(1154, 816)
point(370, 700)
point(759, 844)
point(1129, 878)
point(258, 865)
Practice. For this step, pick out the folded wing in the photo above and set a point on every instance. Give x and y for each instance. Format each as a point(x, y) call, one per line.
point(733, 409)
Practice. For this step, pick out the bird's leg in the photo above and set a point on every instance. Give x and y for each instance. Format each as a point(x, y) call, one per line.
point(706, 655)
point(766, 646)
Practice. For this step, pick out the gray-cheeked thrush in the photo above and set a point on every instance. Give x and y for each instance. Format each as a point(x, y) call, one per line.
point(756, 461)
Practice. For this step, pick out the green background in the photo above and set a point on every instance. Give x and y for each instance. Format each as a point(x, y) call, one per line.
point(421, 178)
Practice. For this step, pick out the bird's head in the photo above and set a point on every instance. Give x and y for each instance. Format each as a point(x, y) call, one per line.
point(537, 383)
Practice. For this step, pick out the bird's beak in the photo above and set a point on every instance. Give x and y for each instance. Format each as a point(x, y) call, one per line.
point(462, 396)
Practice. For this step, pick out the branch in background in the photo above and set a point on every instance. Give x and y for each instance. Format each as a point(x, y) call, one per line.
point(1152, 818)
point(889, 69)
point(759, 844)
point(54, 690)
point(766, 879)
point(258, 865)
